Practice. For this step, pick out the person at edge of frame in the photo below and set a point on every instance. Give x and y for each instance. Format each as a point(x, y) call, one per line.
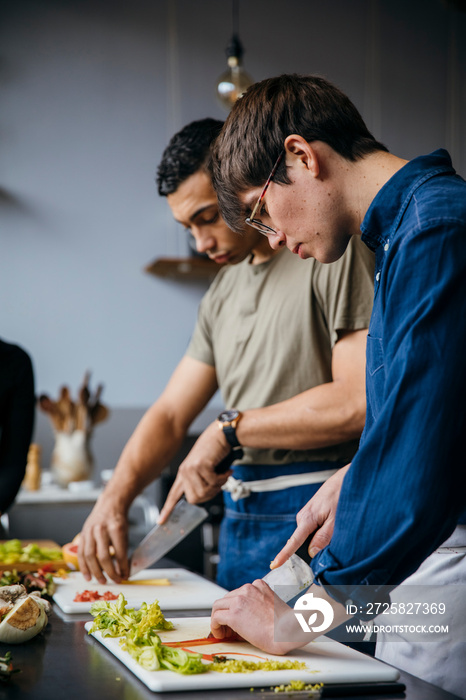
point(17, 411)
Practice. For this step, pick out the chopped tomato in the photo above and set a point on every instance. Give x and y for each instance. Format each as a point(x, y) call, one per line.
point(46, 569)
point(92, 596)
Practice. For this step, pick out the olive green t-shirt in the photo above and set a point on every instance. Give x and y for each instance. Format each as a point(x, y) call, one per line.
point(269, 331)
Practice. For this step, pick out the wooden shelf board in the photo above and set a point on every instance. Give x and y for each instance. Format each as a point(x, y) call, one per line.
point(193, 268)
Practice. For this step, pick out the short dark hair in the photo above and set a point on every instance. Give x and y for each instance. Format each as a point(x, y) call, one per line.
point(186, 153)
point(259, 122)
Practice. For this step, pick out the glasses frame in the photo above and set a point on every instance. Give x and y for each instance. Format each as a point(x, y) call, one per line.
point(255, 223)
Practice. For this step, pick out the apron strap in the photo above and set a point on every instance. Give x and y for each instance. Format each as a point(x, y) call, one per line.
point(242, 489)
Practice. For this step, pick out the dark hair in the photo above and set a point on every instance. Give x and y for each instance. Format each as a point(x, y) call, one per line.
point(259, 122)
point(186, 153)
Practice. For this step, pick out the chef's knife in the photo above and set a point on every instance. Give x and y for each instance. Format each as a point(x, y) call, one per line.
point(162, 538)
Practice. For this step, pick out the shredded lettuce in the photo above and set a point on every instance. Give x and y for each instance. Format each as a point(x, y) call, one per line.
point(149, 651)
point(12, 551)
point(114, 619)
point(137, 629)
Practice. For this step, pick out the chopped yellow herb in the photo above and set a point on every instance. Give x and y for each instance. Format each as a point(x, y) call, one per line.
point(241, 666)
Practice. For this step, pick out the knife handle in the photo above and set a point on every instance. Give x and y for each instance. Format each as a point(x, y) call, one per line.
point(224, 465)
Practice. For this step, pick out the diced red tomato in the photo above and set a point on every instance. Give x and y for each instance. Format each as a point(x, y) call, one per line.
point(46, 569)
point(92, 596)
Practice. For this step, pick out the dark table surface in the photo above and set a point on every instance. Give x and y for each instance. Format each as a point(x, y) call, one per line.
point(65, 663)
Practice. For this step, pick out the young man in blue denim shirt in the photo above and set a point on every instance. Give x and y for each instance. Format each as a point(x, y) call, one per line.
point(403, 495)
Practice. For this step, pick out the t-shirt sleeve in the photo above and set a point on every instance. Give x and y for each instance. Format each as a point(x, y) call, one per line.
point(345, 289)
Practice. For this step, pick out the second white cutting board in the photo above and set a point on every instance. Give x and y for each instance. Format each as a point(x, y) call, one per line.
point(187, 591)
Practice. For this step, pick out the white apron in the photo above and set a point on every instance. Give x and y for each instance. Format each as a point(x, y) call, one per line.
point(442, 663)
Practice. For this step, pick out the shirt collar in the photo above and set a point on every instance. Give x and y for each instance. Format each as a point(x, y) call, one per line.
point(391, 201)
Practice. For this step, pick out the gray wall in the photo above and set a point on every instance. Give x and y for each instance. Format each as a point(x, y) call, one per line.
point(92, 90)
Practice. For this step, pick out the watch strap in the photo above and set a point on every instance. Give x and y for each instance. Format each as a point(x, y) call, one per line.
point(230, 434)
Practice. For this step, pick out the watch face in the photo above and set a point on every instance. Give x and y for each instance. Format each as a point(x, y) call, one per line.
point(227, 416)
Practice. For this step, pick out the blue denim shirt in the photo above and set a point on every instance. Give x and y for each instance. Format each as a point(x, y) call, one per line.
point(406, 488)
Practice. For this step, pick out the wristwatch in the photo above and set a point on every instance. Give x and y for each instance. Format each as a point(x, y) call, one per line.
point(227, 421)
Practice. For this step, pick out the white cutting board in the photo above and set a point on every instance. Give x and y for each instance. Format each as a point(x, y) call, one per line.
point(327, 662)
point(187, 591)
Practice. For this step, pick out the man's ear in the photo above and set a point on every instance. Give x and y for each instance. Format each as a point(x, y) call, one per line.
point(300, 151)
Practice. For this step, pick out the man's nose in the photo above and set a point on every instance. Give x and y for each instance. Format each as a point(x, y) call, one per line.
point(277, 240)
point(204, 241)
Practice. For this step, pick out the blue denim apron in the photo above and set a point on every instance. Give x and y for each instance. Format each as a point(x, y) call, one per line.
point(254, 529)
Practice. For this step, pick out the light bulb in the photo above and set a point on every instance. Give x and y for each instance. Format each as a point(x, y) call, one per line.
point(232, 83)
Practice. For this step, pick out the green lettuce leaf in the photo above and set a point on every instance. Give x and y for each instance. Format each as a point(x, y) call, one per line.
point(137, 629)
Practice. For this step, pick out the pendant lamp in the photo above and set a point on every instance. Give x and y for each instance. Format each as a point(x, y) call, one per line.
point(234, 81)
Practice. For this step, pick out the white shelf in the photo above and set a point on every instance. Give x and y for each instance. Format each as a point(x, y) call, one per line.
point(49, 495)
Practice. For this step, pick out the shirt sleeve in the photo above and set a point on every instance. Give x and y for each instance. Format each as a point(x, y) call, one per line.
point(345, 289)
point(404, 491)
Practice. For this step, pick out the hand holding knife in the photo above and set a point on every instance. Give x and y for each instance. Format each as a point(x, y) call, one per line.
point(198, 474)
point(182, 520)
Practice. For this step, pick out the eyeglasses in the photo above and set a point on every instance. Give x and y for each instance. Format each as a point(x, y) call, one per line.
point(256, 223)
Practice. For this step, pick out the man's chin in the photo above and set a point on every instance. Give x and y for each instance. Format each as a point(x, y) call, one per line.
point(331, 255)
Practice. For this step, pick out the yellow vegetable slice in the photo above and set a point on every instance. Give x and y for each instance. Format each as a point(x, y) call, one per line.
point(148, 582)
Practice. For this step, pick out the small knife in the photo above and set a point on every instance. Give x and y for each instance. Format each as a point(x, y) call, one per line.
point(162, 538)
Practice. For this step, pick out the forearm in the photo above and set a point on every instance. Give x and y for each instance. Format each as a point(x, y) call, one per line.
point(326, 415)
point(153, 444)
point(154, 441)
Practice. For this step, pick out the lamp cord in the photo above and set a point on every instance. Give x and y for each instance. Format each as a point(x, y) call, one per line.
point(235, 16)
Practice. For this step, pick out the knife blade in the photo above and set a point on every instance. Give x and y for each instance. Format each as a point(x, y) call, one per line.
point(162, 538)
point(290, 579)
